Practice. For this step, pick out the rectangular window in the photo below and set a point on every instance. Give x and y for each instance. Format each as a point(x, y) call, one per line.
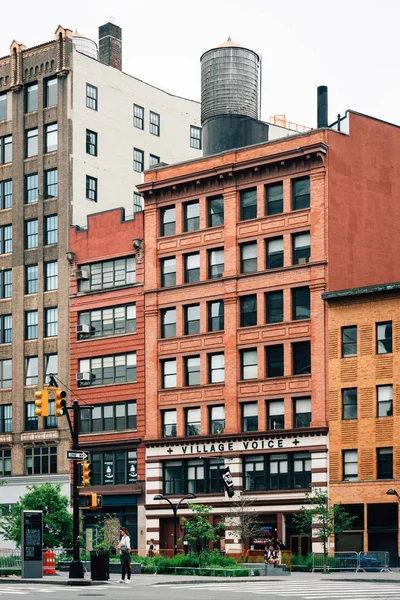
point(6, 418)
point(192, 267)
point(384, 463)
point(91, 142)
point(275, 253)
point(215, 315)
point(168, 271)
point(3, 107)
point(167, 221)
point(300, 303)
point(108, 274)
point(114, 468)
point(274, 355)
point(114, 320)
point(5, 149)
point(50, 184)
point(168, 368)
point(248, 204)
point(109, 417)
point(191, 216)
point(31, 370)
point(250, 416)
point(31, 97)
point(41, 460)
point(217, 419)
point(349, 404)
point(51, 322)
point(301, 248)
point(31, 188)
point(138, 160)
point(276, 414)
point(5, 194)
point(248, 257)
point(51, 230)
point(349, 341)
point(168, 322)
point(31, 419)
point(174, 479)
point(91, 188)
point(384, 339)
point(51, 137)
point(50, 92)
point(117, 368)
point(192, 319)
point(215, 263)
point(169, 423)
point(6, 373)
point(6, 283)
point(50, 366)
point(254, 473)
point(138, 116)
point(384, 395)
point(31, 234)
point(248, 310)
point(196, 476)
point(301, 193)
point(91, 96)
point(193, 421)
point(302, 412)
point(215, 211)
point(31, 324)
point(51, 276)
point(274, 199)
point(216, 368)
point(302, 470)
point(154, 123)
point(249, 364)
point(138, 203)
point(51, 422)
point(274, 306)
point(31, 142)
point(5, 239)
point(31, 279)
point(192, 370)
point(5, 329)
point(350, 465)
point(195, 137)
point(153, 160)
point(279, 472)
point(5, 470)
point(301, 352)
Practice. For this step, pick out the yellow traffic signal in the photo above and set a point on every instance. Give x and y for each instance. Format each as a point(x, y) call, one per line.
point(92, 501)
point(42, 403)
point(61, 403)
point(86, 474)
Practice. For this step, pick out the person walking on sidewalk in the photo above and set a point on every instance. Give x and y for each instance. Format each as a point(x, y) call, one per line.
point(124, 548)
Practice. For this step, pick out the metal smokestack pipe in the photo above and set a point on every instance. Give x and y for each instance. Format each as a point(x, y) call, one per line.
point(322, 106)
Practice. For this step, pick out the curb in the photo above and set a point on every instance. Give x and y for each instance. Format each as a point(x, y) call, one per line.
point(40, 581)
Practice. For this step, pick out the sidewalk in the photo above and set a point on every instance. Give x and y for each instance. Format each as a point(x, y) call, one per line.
point(145, 580)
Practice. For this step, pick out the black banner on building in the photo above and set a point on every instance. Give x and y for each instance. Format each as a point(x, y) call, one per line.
point(228, 481)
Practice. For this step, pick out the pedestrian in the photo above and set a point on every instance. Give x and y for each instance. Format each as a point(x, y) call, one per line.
point(124, 548)
point(151, 548)
point(271, 557)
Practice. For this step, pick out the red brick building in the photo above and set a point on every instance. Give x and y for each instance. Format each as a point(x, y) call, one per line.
point(107, 359)
point(239, 248)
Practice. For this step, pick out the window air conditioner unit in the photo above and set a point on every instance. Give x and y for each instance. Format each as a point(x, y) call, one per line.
point(82, 328)
point(82, 274)
point(302, 261)
point(83, 377)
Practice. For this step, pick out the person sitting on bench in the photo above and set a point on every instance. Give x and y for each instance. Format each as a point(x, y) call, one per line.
point(271, 557)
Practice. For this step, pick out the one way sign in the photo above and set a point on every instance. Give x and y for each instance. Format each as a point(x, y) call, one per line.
point(76, 455)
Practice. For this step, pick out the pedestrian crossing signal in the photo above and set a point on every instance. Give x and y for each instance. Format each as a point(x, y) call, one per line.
point(92, 501)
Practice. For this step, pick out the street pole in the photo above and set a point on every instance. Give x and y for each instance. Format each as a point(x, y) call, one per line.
point(76, 566)
point(175, 509)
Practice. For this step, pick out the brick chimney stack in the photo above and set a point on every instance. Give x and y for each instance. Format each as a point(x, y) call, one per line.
point(110, 45)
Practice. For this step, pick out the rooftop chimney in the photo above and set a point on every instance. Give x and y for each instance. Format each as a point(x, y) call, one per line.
point(322, 106)
point(110, 45)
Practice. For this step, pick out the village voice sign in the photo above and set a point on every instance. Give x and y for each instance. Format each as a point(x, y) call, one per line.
point(237, 446)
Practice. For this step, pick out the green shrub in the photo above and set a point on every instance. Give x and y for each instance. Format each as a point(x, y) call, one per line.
point(301, 563)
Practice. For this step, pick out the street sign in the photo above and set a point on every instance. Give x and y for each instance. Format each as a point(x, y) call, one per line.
point(76, 455)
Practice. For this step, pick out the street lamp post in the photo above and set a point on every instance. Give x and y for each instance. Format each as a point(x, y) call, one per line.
point(175, 508)
point(392, 492)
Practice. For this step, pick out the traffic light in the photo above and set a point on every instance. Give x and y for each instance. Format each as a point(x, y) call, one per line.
point(86, 474)
point(92, 501)
point(42, 403)
point(61, 403)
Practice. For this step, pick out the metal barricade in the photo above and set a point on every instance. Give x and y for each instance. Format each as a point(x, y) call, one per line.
point(337, 561)
point(374, 561)
point(10, 560)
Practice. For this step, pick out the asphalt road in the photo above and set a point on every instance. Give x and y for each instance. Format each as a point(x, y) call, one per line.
point(283, 589)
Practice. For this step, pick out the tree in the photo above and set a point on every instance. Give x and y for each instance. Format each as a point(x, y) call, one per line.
point(243, 521)
point(57, 520)
point(326, 519)
point(198, 529)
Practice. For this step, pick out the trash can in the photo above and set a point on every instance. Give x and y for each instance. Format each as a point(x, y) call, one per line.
point(100, 565)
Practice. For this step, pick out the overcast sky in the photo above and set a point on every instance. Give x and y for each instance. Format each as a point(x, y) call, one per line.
point(350, 45)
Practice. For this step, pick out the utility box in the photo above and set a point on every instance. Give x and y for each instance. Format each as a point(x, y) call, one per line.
point(99, 565)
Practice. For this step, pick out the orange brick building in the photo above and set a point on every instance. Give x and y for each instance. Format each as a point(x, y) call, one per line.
point(364, 413)
point(239, 248)
point(107, 360)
